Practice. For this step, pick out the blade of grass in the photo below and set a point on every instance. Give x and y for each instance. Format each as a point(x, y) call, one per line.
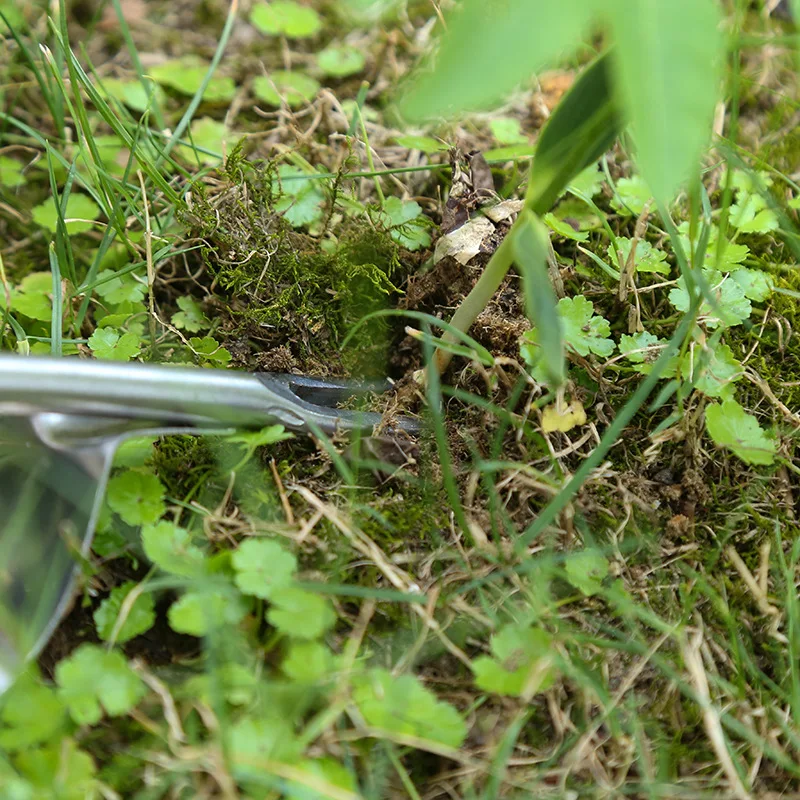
point(52, 99)
point(612, 433)
point(194, 104)
point(433, 393)
point(57, 312)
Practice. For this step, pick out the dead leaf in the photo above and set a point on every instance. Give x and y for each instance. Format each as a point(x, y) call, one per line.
point(564, 419)
point(464, 243)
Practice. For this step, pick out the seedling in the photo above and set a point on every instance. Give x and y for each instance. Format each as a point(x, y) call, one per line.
point(657, 46)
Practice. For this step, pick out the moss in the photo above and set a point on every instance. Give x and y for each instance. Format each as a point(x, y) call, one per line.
point(284, 287)
point(183, 463)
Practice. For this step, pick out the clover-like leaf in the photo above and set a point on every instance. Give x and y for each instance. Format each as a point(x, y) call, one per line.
point(262, 566)
point(589, 182)
point(137, 496)
point(341, 61)
point(326, 775)
point(301, 198)
point(119, 288)
point(134, 452)
point(732, 307)
point(32, 712)
point(563, 228)
point(646, 258)
point(171, 549)
point(631, 196)
point(133, 93)
point(584, 331)
point(405, 222)
point(308, 662)
point(523, 662)
point(729, 425)
point(402, 705)
point(719, 372)
point(279, 87)
point(756, 285)
point(507, 130)
point(33, 296)
point(93, 679)
point(11, 172)
point(207, 143)
point(79, 214)
point(254, 439)
point(139, 618)
point(300, 614)
point(640, 348)
point(200, 613)
point(209, 349)
point(254, 741)
point(57, 770)
point(425, 144)
point(186, 75)
point(190, 317)
point(586, 571)
point(285, 18)
point(110, 344)
point(749, 214)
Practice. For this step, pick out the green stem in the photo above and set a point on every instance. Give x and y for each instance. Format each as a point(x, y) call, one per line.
point(472, 305)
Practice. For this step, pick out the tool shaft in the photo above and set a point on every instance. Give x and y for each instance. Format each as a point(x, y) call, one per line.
point(165, 395)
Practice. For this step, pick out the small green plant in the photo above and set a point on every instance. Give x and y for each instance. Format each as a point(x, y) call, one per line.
point(522, 663)
point(670, 47)
point(188, 74)
point(295, 89)
point(94, 681)
point(117, 620)
point(729, 425)
point(137, 496)
point(339, 61)
point(285, 18)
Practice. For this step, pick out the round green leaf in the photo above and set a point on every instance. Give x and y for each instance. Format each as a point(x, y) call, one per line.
point(341, 61)
point(140, 618)
point(300, 614)
point(171, 549)
point(137, 496)
point(186, 75)
point(199, 613)
point(262, 566)
point(729, 425)
point(92, 679)
point(285, 17)
point(79, 213)
point(401, 704)
point(292, 88)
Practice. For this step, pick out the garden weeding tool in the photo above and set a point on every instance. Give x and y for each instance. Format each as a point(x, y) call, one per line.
point(61, 420)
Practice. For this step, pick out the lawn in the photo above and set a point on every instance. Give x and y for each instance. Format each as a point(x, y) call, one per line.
point(559, 241)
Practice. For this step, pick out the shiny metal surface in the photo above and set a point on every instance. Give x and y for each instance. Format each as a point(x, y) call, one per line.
point(165, 395)
point(61, 420)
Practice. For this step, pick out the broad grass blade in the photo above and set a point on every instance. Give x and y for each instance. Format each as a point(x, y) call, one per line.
point(583, 126)
point(530, 255)
point(490, 47)
point(667, 62)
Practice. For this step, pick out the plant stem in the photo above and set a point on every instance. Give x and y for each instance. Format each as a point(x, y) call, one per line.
point(478, 298)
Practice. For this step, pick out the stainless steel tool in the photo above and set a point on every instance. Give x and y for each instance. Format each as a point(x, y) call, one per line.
point(61, 420)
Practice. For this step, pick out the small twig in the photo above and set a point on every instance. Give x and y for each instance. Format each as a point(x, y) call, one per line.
point(711, 717)
point(287, 508)
point(759, 594)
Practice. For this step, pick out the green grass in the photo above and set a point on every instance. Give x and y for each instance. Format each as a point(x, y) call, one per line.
point(505, 610)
